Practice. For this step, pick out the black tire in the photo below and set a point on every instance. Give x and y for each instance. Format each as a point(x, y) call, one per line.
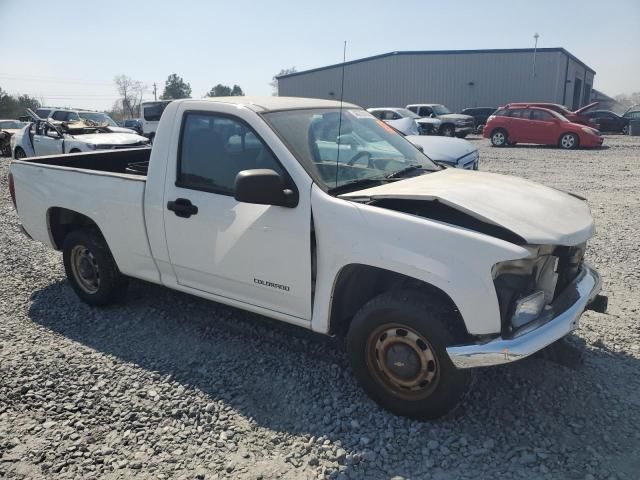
point(95, 277)
point(74, 150)
point(568, 141)
point(19, 153)
point(499, 138)
point(447, 130)
point(438, 386)
point(625, 130)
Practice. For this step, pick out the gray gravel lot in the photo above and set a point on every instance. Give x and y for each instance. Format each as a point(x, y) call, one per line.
point(171, 386)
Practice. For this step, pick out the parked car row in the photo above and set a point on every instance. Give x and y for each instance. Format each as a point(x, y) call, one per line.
point(46, 136)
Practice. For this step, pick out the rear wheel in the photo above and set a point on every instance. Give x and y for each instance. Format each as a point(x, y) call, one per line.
point(499, 138)
point(625, 130)
point(397, 348)
point(19, 153)
point(91, 269)
point(568, 141)
point(447, 130)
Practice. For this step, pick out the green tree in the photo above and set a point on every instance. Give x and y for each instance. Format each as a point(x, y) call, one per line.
point(274, 80)
point(175, 87)
point(225, 91)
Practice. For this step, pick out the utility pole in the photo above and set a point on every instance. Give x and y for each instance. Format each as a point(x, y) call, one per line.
point(155, 96)
point(535, 50)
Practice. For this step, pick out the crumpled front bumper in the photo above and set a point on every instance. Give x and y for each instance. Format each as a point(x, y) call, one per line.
point(553, 324)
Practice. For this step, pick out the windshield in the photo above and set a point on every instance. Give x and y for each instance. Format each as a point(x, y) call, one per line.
point(367, 149)
point(406, 113)
point(441, 110)
point(101, 118)
point(11, 124)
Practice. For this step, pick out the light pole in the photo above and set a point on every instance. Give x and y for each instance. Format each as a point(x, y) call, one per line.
point(535, 50)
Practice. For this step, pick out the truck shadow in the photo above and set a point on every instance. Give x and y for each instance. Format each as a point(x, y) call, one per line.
point(244, 361)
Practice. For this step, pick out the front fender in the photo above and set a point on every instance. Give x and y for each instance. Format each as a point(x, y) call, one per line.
point(455, 260)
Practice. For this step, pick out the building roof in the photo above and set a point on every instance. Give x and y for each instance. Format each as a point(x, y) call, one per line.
point(443, 52)
point(275, 103)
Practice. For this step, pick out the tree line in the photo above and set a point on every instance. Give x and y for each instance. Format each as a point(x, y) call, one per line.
point(14, 106)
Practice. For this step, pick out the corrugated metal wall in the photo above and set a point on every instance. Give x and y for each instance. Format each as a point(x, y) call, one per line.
point(457, 80)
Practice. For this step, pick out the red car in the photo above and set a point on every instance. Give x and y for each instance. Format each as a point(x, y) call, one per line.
point(575, 117)
point(510, 125)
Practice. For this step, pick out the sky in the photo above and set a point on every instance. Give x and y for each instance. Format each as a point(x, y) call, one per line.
point(67, 53)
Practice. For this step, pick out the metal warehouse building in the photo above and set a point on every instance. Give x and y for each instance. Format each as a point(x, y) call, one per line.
point(456, 78)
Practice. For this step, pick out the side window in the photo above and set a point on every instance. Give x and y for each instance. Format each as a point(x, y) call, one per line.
point(377, 114)
point(541, 116)
point(42, 112)
point(215, 148)
point(413, 109)
point(425, 111)
point(59, 115)
point(520, 113)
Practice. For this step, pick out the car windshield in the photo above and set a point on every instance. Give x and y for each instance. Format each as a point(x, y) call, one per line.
point(349, 149)
point(101, 118)
point(441, 110)
point(11, 124)
point(406, 113)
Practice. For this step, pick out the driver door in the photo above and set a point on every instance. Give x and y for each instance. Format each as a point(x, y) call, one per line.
point(255, 254)
point(44, 142)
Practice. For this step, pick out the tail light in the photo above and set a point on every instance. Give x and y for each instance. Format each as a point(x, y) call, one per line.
point(12, 191)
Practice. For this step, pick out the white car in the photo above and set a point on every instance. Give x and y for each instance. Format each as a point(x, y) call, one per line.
point(425, 272)
point(43, 137)
point(453, 152)
point(76, 115)
point(406, 121)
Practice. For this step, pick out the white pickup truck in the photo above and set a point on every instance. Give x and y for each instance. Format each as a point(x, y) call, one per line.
point(259, 203)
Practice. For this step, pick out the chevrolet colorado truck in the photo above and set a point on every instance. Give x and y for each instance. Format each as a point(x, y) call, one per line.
point(427, 273)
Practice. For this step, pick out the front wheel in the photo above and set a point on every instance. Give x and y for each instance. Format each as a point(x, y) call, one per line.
point(397, 349)
point(625, 130)
point(91, 269)
point(568, 141)
point(447, 130)
point(499, 138)
point(19, 153)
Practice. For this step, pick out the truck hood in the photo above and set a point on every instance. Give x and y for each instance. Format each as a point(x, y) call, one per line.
point(538, 214)
point(121, 130)
point(455, 116)
point(110, 138)
point(442, 149)
point(431, 121)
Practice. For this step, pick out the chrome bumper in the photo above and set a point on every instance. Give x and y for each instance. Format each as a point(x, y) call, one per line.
point(556, 322)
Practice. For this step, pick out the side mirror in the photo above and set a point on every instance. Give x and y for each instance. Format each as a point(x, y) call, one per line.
point(264, 187)
point(431, 115)
point(53, 134)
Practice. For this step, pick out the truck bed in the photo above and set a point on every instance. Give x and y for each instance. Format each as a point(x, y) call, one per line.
point(132, 161)
point(106, 186)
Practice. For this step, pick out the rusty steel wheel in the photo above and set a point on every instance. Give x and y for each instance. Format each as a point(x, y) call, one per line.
point(397, 349)
point(403, 361)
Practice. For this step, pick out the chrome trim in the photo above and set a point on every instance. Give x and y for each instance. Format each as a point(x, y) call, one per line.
point(556, 322)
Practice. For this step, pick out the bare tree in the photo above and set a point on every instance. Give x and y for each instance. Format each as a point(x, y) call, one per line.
point(274, 81)
point(131, 92)
point(628, 100)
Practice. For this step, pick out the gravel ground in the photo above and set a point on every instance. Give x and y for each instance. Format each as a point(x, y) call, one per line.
point(170, 386)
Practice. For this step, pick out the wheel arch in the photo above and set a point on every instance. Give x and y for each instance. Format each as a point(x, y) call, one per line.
point(356, 284)
point(61, 221)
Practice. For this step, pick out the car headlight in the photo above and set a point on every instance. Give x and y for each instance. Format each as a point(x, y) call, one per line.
point(460, 122)
point(590, 131)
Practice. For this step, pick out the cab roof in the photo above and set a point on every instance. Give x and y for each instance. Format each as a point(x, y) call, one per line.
point(266, 104)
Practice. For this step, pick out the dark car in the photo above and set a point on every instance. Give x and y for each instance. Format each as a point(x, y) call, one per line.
point(133, 124)
point(479, 114)
point(609, 121)
point(577, 116)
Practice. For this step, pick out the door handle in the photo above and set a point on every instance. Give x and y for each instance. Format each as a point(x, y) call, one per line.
point(182, 207)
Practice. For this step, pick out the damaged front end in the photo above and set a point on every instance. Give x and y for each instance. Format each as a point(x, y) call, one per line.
point(526, 287)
